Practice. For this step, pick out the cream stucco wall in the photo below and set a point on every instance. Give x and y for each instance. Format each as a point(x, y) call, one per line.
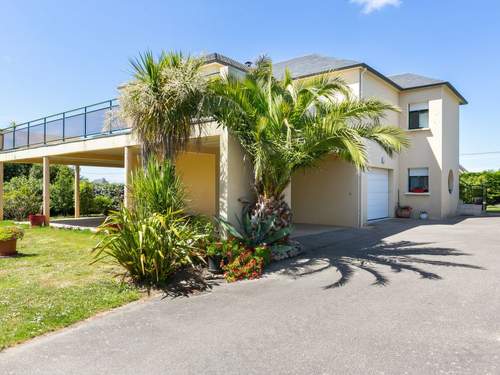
point(326, 195)
point(374, 87)
point(198, 173)
point(425, 151)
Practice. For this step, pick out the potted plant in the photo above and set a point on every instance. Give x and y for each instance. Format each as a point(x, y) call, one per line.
point(219, 251)
point(36, 220)
point(8, 240)
point(403, 211)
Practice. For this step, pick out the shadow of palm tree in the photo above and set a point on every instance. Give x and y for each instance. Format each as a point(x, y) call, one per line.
point(397, 256)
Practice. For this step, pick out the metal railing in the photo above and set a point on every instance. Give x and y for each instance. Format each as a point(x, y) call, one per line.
point(90, 121)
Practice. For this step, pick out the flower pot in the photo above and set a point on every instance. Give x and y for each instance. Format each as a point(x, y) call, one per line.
point(8, 247)
point(403, 212)
point(214, 264)
point(424, 216)
point(36, 220)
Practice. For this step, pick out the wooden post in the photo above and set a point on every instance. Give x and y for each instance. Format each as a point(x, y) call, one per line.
point(1, 191)
point(77, 191)
point(46, 189)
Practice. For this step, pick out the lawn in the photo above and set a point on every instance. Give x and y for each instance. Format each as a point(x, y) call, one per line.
point(53, 284)
point(493, 209)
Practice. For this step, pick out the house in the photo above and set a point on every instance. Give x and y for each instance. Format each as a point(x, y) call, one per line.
point(218, 176)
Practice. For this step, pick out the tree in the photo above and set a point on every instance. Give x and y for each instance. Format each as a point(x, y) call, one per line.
point(161, 102)
point(287, 125)
point(22, 197)
point(62, 192)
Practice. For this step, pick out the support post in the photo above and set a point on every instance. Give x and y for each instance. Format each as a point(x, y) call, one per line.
point(77, 191)
point(1, 191)
point(46, 189)
point(128, 162)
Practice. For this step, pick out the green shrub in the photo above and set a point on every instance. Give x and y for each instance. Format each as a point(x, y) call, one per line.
point(62, 192)
point(149, 248)
point(157, 189)
point(155, 238)
point(113, 191)
point(86, 198)
point(102, 204)
point(224, 248)
point(22, 196)
point(11, 233)
point(471, 184)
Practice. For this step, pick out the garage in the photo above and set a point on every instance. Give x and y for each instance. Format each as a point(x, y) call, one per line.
point(378, 194)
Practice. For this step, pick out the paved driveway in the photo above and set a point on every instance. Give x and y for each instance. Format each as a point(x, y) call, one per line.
point(434, 308)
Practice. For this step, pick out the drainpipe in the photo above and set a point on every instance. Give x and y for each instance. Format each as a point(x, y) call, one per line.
point(359, 173)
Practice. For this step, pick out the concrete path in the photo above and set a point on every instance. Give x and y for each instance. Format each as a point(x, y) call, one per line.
point(435, 309)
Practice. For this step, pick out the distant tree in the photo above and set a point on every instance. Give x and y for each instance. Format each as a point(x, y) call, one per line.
point(62, 192)
point(15, 169)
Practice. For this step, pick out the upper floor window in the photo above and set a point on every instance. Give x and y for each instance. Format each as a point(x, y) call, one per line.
point(418, 117)
point(418, 180)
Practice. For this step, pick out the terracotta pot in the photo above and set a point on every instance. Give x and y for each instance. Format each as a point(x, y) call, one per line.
point(8, 248)
point(36, 220)
point(403, 212)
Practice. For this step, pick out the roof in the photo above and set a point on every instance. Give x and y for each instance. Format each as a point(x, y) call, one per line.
point(314, 64)
point(311, 65)
point(408, 81)
point(217, 57)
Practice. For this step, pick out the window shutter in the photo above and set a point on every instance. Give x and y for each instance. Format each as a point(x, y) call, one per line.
point(418, 172)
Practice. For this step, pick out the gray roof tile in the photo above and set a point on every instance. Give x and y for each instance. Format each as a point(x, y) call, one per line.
point(311, 64)
point(409, 80)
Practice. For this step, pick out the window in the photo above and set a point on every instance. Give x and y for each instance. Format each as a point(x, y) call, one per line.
point(418, 180)
point(418, 117)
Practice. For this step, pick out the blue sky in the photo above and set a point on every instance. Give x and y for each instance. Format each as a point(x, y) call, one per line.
point(57, 55)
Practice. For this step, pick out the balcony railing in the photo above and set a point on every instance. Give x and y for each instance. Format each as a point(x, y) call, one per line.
point(98, 119)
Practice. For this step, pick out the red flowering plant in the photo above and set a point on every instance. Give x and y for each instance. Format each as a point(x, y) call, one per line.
point(248, 264)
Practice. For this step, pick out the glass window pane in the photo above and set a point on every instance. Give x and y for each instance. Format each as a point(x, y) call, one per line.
point(74, 126)
point(423, 119)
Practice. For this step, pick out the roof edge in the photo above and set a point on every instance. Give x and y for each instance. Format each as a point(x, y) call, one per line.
point(461, 98)
point(221, 59)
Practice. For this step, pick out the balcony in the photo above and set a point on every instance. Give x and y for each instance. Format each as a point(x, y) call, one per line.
point(96, 120)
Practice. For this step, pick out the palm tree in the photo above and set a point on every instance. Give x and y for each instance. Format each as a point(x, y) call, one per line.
point(161, 102)
point(287, 125)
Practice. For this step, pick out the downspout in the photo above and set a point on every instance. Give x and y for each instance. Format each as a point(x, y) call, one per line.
point(359, 173)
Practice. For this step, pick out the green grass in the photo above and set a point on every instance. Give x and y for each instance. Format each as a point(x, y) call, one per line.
point(493, 209)
point(52, 284)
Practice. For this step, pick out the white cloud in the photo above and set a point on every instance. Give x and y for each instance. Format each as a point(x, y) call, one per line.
point(373, 5)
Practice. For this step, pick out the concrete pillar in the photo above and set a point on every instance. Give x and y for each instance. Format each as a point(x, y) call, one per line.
point(46, 189)
point(235, 178)
point(77, 191)
point(1, 191)
point(130, 163)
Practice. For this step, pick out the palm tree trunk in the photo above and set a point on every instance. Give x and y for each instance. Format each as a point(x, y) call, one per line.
point(272, 207)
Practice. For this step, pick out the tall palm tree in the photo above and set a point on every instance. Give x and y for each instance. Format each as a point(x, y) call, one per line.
point(162, 100)
point(287, 125)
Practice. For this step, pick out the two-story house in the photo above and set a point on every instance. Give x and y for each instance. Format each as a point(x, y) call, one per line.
point(217, 176)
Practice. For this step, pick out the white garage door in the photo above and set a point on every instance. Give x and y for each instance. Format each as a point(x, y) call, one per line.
point(378, 194)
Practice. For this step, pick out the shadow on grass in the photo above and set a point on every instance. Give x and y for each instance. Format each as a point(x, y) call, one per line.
point(396, 256)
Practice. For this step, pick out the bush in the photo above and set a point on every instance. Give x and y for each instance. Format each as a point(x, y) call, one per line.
point(86, 198)
point(247, 265)
point(22, 196)
point(102, 204)
point(155, 238)
point(62, 192)
point(149, 248)
point(472, 183)
point(113, 191)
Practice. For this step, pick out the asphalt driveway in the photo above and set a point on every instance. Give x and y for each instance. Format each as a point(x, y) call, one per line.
point(399, 297)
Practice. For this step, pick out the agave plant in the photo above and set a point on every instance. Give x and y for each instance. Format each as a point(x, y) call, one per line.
point(288, 125)
point(255, 231)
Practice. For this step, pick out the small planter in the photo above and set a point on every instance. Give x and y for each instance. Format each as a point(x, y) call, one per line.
point(8, 247)
point(214, 264)
point(37, 220)
point(424, 215)
point(403, 212)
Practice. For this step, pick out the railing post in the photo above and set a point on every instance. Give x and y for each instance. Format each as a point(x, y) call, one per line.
point(110, 116)
point(28, 136)
point(45, 130)
point(85, 122)
point(14, 137)
point(64, 126)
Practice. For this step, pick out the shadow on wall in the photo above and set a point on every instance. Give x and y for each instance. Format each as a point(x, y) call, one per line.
point(365, 249)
